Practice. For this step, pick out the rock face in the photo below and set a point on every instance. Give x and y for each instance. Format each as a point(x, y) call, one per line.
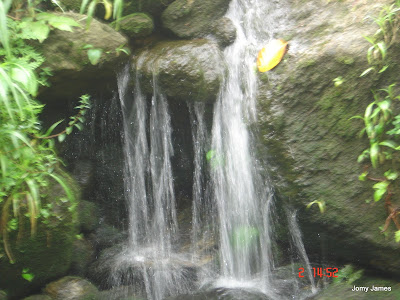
point(65, 56)
point(309, 141)
point(193, 18)
point(187, 70)
point(137, 25)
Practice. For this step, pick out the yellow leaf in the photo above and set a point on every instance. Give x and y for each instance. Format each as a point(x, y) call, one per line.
point(108, 9)
point(270, 56)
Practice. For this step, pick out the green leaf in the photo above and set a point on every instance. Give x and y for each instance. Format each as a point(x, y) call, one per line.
point(61, 137)
point(389, 143)
point(36, 30)
point(83, 6)
point(28, 276)
point(79, 126)
point(52, 127)
point(397, 236)
point(68, 130)
point(363, 176)
point(66, 188)
point(391, 175)
point(378, 195)
point(94, 55)
point(374, 152)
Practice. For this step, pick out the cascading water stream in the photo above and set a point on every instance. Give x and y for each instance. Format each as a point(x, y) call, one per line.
point(153, 225)
point(232, 203)
point(243, 199)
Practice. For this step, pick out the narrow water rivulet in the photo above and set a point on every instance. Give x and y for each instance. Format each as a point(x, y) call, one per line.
point(233, 202)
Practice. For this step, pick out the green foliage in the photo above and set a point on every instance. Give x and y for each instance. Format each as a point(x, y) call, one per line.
point(397, 236)
point(349, 274)
point(27, 275)
point(389, 24)
point(28, 162)
point(111, 10)
point(381, 124)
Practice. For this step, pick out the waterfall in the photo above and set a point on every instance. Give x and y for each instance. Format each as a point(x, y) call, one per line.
point(233, 204)
point(242, 197)
point(149, 256)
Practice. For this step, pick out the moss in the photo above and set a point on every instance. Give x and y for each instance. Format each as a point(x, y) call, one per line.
point(345, 60)
point(137, 25)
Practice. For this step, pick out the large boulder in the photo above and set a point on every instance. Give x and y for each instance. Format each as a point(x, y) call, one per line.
point(66, 55)
point(187, 70)
point(312, 145)
point(193, 18)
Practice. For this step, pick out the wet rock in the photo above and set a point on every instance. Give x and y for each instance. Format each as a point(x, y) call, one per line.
point(71, 288)
point(84, 253)
point(193, 18)
point(137, 25)
point(224, 31)
point(88, 214)
point(73, 74)
point(186, 70)
point(311, 144)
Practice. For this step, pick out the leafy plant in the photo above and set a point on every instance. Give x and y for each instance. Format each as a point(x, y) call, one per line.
point(349, 274)
point(111, 10)
point(389, 24)
point(28, 161)
point(381, 125)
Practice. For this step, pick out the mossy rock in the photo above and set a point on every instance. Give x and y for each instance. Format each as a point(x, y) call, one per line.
point(66, 56)
point(137, 25)
point(312, 145)
point(185, 70)
point(194, 18)
point(47, 254)
point(71, 288)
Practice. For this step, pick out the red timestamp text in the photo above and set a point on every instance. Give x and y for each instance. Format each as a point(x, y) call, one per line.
point(321, 272)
